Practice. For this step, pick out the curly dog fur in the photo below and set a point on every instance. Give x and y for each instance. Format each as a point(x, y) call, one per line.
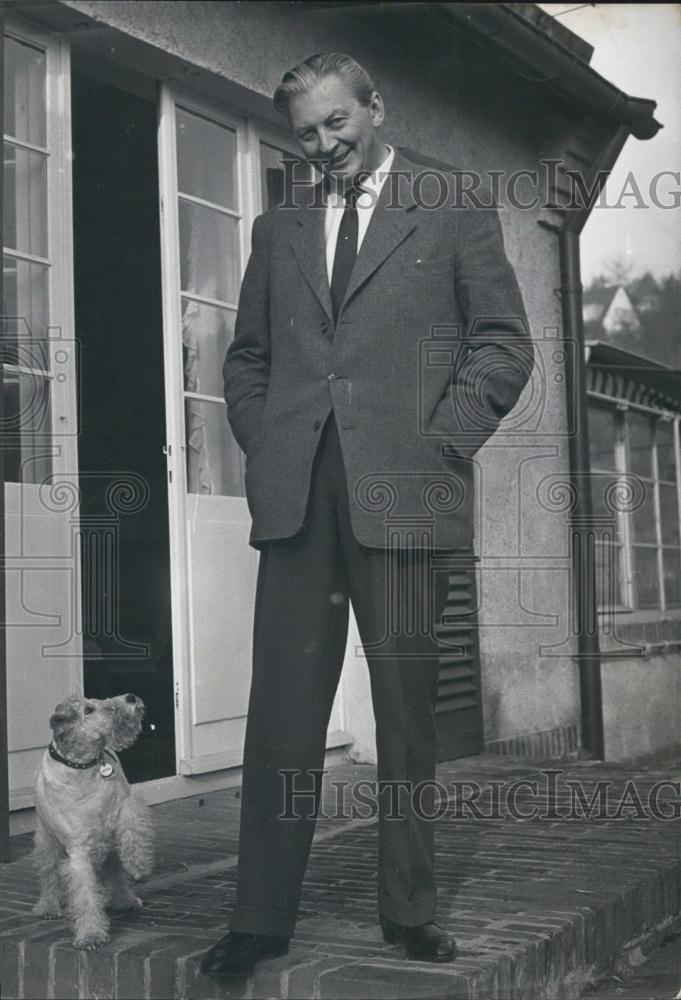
point(92, 833)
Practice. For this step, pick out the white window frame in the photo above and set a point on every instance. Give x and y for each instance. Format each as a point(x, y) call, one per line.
point(60, 301)
point(259, 131)
point(623, 519)
point(26, 500)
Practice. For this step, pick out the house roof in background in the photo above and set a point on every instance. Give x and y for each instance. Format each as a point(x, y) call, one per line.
point(661, 378)
point(600, 296)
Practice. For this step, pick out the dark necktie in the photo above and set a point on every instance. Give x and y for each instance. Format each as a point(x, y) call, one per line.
point(346, 251)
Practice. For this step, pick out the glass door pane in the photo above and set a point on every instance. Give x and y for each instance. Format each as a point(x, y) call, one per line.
point(209, 222)
point(213, 457)
point(26, 428)
point(25, 101)
point(209, 255)
point(280, 173)
point(26, 264)
point(25, 200)
point(206, 334)
point(206, 159)
point(26, 312)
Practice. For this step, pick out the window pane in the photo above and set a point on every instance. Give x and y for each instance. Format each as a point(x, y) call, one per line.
point(601, 437)
point(669, 515)
point(19, 349)
point(25, 114)
point(645, 575)
point(277, 177)
point(25, 202)
point(209, 259)
point(206, 334)
point(640, 444)
point(206, 159)
point(25, 288)
point(672, 576)
point(608, 587)
point(664, 435)
point(643, 518)
point(603, 495)
point(214, 460)
point(27, 428)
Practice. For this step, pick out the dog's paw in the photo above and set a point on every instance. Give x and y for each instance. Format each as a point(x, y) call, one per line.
point(48, 911)
point(91, 941)
point(138, 871)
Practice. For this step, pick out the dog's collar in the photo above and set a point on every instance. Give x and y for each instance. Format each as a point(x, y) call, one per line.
point(79, 765)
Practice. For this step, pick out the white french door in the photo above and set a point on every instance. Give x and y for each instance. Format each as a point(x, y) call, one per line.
point(44, 642)
point(217, 172)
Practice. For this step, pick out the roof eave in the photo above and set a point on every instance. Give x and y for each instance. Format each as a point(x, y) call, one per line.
point(552, 64)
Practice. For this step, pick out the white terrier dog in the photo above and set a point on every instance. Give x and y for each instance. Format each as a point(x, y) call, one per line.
point(91, 831)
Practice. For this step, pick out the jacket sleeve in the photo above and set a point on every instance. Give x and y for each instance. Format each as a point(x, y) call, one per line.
point(246, 369)
point(497, 354)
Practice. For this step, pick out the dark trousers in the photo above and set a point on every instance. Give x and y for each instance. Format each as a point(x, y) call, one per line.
point(301, 617)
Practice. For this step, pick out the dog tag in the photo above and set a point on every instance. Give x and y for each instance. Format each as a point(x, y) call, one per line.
point(106, 770)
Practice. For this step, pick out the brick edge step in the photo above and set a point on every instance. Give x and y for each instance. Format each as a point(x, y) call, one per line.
point(547, 962)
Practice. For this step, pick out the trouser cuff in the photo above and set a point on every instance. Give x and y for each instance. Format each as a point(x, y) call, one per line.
point(408, 914)
point(274, 922)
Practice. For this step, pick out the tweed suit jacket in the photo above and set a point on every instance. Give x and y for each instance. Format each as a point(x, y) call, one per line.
point(430, 351)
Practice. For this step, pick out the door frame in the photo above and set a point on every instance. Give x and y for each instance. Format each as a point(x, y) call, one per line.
point(175, 449)
point(62, 370)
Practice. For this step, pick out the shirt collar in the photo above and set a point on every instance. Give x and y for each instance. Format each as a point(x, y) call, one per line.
point(373, 183)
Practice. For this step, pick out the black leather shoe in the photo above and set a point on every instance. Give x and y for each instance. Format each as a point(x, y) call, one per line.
point(424, 943)
point(238, 953)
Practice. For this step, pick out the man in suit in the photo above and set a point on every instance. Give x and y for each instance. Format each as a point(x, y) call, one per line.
point(359, 474)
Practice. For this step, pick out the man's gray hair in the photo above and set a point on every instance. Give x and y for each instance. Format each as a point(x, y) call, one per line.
point(307, 73)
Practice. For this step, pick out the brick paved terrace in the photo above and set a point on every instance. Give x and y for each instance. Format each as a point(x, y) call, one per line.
point(540, 906)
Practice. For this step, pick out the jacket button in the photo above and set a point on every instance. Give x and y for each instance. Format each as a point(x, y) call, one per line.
point(317, 424)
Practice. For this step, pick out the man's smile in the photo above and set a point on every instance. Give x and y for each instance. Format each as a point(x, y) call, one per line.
point(338, 161)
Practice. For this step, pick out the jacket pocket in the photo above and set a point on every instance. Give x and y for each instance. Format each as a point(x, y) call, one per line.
point(254, 441)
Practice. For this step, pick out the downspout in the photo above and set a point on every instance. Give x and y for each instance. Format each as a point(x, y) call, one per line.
point(584, 598)
point(4, 742)
point(584, 602)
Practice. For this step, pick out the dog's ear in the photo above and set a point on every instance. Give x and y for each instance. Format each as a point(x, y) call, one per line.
point(64, 715)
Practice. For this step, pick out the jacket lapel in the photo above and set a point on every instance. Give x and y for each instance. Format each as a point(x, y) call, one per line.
point(308, 245)
point(391, 222)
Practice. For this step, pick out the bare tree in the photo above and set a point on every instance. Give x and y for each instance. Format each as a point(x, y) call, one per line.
point(619, 269)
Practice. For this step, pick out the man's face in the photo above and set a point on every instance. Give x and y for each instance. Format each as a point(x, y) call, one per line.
point(334, 129)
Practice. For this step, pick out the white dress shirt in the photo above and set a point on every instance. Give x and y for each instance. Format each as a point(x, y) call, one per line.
point(335, 206)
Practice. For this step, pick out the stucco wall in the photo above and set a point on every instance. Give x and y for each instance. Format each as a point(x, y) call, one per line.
point(641, 706)
point(449, 100)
